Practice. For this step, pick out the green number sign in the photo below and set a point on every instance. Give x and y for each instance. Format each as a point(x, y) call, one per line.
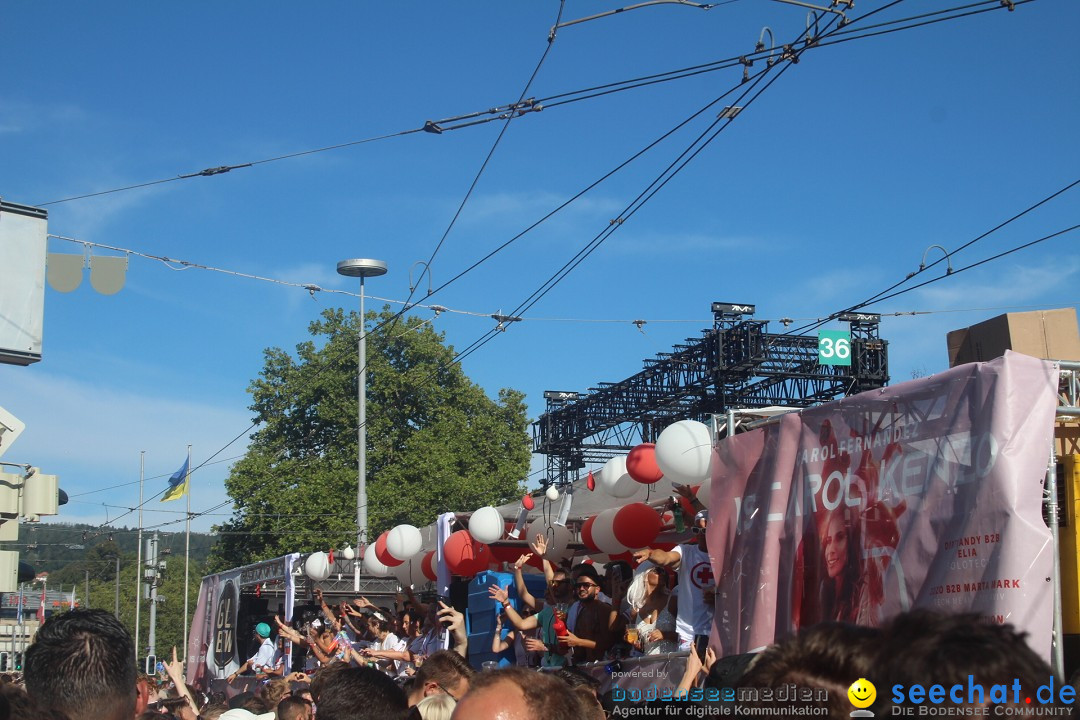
point(834, 347)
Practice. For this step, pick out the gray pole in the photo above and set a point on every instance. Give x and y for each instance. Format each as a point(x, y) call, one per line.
point(361, 268)
point(138, 559)
point(187, 551)
point(152, 562)
point(361, 439)
point(117, 611)
point(87, 590)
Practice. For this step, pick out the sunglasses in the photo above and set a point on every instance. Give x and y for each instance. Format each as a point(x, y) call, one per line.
point(585, 584)
point(697, 530)
point(553, 583)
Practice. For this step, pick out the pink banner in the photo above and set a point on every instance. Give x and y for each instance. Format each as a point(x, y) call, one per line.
point(924, 494)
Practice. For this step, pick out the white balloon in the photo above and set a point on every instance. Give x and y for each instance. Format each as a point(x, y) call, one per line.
point(557, 536)
point(552, 493)
point(603, 533)
point(486, 525)
point(410, 573)
point(684, 452)
point(348, 553)
point(615, 481)
point(705, 492)
point(317, 566)
point(372, 564)
point(404, 541)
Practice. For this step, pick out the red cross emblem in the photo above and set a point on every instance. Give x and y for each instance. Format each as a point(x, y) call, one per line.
point(702, 576)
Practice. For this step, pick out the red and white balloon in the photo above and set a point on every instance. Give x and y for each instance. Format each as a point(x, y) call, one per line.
point(603, 533)
point(636, 525)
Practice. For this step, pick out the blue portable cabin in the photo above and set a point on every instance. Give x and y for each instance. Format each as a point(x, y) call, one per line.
point(480, 618)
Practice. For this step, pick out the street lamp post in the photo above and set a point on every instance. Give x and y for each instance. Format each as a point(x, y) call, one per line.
point(362, 268)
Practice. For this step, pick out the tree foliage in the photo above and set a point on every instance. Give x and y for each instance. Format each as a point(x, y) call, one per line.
point(436, 441)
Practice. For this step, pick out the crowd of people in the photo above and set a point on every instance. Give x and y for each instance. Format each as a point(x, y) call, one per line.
point(81, 666)
point(358, 661)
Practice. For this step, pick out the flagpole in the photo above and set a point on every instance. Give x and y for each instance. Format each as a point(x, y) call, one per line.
point(187, 549)
point(138, 561)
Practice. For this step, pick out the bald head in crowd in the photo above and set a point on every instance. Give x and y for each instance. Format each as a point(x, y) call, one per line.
point(82, 663)
point(519, 694)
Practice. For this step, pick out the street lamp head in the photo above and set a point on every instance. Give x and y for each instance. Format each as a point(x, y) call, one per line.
point(361, 267)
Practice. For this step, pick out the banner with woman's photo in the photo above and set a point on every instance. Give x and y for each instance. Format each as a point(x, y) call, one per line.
point(924, 494)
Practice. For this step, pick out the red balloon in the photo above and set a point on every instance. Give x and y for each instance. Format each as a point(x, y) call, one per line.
point(427, 566)
point(464, 556)
point(636, 525)
point(586, 534)
point(641, 464)
point(383, 554)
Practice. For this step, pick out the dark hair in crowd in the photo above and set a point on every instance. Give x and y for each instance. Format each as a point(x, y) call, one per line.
point(357, 693)
point(16, 704)
point(445, 668)
point(829, 655)
point(923, 646)
point(82, 663)
point(291, 708)
point(576, 678)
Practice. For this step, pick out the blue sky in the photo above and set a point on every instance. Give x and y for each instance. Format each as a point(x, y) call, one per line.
point(826, 189)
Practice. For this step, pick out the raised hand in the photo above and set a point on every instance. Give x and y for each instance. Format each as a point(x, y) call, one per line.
point(498, 594)
point(451, 618)
point(539, 545)
point(522, 560)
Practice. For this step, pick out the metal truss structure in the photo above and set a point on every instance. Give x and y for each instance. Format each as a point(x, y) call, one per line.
point(736, 364)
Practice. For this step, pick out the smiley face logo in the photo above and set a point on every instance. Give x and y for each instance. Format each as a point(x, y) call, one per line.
point(862, 693)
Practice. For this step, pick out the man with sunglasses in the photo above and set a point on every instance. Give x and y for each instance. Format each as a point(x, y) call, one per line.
point(697, 586)
point(594, 621)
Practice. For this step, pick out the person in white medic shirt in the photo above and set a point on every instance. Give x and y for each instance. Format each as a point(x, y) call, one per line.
point(697, 586)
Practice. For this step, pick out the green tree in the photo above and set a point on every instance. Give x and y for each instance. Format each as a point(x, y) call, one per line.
point(436, 441)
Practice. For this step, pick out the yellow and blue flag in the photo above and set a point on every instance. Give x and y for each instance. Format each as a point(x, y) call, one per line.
point(178, 484)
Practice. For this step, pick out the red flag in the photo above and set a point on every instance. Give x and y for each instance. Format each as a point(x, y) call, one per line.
point(41, 607)
point(590, 483)
point(330, 558)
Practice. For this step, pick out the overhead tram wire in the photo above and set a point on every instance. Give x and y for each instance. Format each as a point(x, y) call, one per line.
point(1000, 255)
point(884, 294)
point(909, 23)
point(507, 111)
point(311, 288)
point(676, 166)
